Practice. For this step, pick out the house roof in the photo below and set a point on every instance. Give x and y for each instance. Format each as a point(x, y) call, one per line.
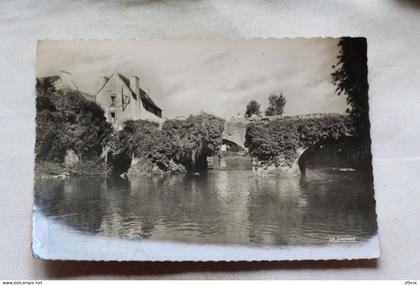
point(142, 93)
point(89, 97)
point(49, 80)
point(52, 77)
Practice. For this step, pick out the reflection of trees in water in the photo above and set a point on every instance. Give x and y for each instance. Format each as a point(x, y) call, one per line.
point(275, 208)
point(309, 209)
point(232, 193)
point(117, 213)
point(217, 207)
point(179, 204)
point(95, 204)
point(69, 201)
point(347, 207)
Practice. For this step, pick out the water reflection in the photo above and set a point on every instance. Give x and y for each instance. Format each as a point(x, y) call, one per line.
point(234, 207)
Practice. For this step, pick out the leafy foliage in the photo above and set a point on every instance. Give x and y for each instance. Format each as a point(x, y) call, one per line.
point(276, 105)
point(350, 78)
point(66, 120)
point(268, 140)
point(144, 139)
point(203, 129)
point(253, 108)
point(197, 137)
point(182, 141)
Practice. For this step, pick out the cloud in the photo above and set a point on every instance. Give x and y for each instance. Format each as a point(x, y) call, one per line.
point(215, 57)
point(218, 76)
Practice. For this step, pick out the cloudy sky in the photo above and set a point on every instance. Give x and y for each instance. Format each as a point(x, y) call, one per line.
point(216, 76)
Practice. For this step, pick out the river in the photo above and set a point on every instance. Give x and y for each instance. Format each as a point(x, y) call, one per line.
point(216, 207)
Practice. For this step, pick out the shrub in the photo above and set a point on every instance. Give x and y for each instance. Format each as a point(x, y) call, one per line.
point(66, 120)
point(197, 137)
point(268, 140)
point(144, 139)
point(182, 141)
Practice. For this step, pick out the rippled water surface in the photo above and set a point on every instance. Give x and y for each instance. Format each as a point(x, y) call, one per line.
point(226, 207)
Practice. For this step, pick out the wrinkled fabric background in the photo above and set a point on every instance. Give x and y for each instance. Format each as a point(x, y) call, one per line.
point(392, 28)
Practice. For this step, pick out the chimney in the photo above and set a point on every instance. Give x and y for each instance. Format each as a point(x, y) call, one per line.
point(135, 84)
point(102, 79)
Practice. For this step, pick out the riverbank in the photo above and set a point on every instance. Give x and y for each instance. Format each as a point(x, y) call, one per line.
point(56, 170)
point(144, 167)
point(138, 167)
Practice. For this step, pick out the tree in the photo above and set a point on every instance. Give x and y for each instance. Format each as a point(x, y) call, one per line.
point(350, 78)
point(253, 108)
point(66, 120)
point(198, 136)
point(276, 105)
point(187, 142)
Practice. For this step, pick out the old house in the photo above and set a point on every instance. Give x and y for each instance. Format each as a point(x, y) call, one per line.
point(122, 99)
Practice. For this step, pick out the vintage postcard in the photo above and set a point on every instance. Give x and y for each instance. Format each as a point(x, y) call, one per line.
point(199, 150)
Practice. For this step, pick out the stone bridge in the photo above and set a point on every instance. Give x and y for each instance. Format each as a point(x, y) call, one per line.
point(235, 131)
point(288, 138)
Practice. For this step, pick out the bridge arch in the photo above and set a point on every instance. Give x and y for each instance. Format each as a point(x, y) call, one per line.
point(234, 131)
point(307, 152)
point(233, 145)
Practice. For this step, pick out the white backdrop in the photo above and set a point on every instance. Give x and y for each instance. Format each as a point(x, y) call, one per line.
point(392, 28)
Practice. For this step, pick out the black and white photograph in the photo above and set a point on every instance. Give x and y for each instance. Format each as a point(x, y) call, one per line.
point(203, 150)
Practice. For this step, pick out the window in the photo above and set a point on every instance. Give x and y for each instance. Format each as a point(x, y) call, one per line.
point(113, 101)
point(112, 117)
